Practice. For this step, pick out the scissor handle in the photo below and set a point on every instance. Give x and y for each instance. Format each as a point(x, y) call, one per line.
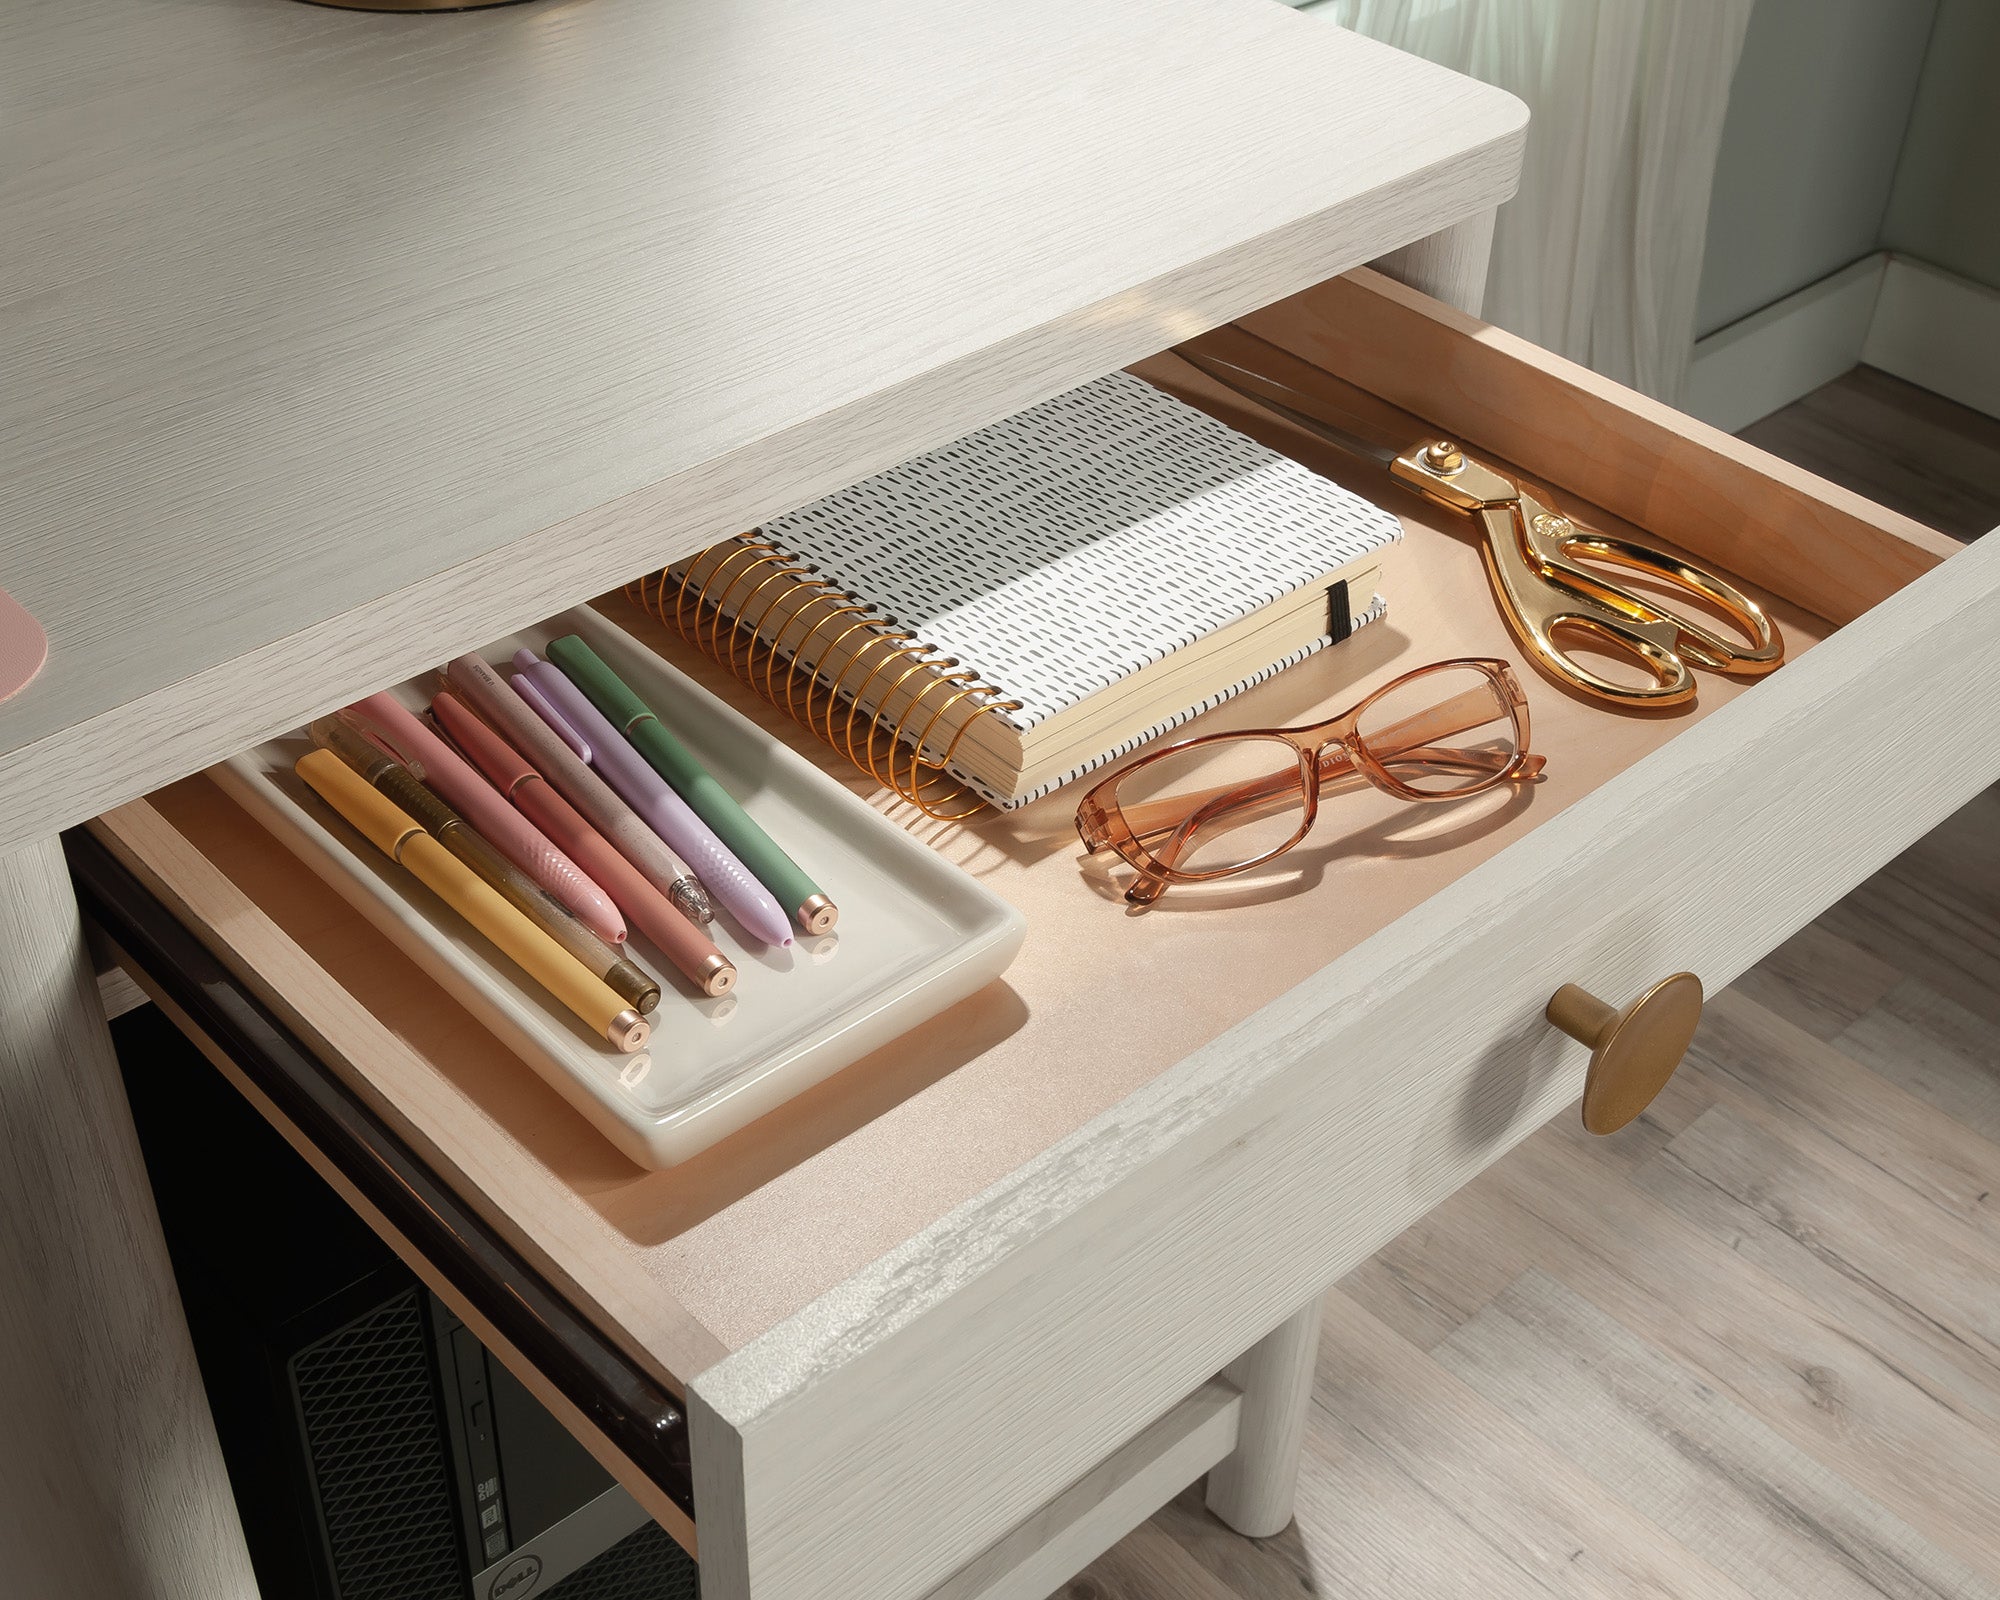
point(1553, 538)
point(1542, 590)
point(1673, 682)
point(1543, 609)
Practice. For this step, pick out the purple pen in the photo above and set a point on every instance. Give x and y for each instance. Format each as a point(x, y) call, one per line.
point(584, 729)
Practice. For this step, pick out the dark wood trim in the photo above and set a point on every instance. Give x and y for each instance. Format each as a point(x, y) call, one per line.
point(619, 1398)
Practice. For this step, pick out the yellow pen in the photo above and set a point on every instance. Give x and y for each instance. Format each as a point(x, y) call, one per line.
point(392, 831)
point(452, 831)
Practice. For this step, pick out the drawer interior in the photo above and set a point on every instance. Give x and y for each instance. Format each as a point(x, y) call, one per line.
point(685, 1265)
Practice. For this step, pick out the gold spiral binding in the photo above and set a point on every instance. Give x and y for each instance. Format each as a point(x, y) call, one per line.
point(802, 653)
point(945, 790)
point(902, 647)
point(740, 602)
point(744, 628)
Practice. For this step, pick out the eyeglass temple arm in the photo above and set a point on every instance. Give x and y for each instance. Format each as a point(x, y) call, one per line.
point(1462, 713)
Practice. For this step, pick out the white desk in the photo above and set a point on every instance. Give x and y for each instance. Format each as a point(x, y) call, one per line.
point(335, 340)
point(332, 344)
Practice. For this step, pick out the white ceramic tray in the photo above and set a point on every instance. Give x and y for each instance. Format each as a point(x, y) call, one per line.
point(915, 935)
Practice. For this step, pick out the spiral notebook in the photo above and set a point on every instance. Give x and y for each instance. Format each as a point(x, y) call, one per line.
point(1022, 606)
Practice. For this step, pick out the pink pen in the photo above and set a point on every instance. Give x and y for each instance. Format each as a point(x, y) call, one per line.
point(730, 884)
point(516, 838)
point(679, 939)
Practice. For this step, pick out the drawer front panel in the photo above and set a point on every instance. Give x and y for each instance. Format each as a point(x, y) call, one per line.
point(873, 1442)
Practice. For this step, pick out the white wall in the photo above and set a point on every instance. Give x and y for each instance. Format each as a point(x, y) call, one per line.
point(1817, 114)
point(1941, 209)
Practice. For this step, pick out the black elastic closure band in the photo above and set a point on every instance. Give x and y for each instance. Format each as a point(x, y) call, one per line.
point(621, 1400)
point(1339, 618)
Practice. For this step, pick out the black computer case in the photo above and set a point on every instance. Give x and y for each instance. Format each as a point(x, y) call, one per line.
point(376, 1450)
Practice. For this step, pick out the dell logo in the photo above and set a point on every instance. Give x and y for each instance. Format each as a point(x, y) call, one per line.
point(517, 1579)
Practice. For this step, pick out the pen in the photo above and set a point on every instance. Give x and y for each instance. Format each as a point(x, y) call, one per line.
point(516, 838)
point(562, 705)
point(684, 944)
point(391, 831)
point(487, 693)
point(447, 827)
point(734, 826)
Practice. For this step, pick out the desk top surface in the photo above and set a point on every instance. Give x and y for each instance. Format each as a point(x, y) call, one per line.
point(332, 343)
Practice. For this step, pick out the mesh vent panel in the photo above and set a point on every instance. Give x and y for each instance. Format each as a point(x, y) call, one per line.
point(379, 1456)
point(644, 1565)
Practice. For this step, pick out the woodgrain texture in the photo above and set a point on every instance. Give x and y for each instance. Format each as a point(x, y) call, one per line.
point(1168, 1186)
point(1601, 1396)
point(1449, 265)
point(1106, 1502)
point(1894, 1399)
point(1585, 1376)
point(1252, 1490)
point(727, 1246)
point(111, 1482)
point(1717, 496)
point(1925, 1042)
point(419, 330)
point(1825, 1373)
point(117, 993)
point(1896, 443)
point(1283, 1153)
point(1152, 1566)
point(1512, 1512)
point(1917, 916)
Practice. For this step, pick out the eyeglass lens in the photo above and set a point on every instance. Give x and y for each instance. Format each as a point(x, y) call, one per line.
point(1218, 806)
point(1442, 732)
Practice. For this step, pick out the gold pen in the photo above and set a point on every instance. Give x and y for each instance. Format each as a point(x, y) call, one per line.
point(452, 831)
point(392, 831)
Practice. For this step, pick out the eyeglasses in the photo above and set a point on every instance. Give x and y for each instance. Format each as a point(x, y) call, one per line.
point(1224, 803)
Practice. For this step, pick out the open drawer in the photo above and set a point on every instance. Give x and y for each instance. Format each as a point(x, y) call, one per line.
point(907, 1308)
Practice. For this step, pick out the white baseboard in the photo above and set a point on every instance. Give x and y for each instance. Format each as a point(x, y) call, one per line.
point(1772, 357)
point(1940, 331)
point(1911, 319)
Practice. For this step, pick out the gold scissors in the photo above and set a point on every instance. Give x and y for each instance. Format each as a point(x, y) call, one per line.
point(1531, 551)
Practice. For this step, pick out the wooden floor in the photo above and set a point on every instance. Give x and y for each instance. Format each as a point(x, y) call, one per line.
point(1749, 1349)
point(1900, 445)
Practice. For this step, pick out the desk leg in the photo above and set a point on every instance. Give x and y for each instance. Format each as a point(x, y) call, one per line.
point(1450, 265)
point(111, 1483)
point(1252, 1489)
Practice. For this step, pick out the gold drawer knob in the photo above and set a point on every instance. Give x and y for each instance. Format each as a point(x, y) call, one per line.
point(1632, 1052)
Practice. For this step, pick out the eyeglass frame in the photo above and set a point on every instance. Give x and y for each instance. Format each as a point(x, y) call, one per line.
point(1103, 825)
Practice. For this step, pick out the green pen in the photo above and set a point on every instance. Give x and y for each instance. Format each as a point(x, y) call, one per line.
point(750, 844)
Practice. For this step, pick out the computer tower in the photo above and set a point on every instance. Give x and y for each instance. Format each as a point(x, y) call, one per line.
point(377, 1451)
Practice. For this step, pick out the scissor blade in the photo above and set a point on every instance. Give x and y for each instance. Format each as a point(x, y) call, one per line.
point(1302, 410)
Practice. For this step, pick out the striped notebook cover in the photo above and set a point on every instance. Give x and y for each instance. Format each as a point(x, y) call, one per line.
point(1060, 554)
